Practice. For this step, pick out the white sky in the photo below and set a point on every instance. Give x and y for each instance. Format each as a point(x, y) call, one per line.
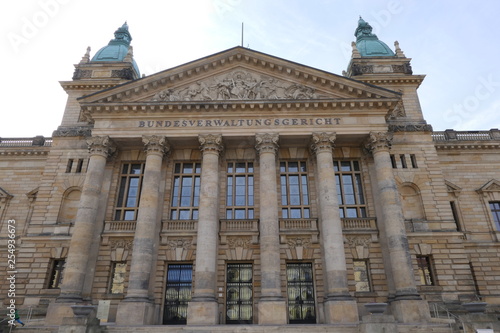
point(454, 42)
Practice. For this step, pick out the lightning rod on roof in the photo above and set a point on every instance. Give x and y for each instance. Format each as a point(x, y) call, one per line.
point(241, 34)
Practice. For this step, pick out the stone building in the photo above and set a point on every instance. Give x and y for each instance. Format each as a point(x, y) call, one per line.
point(246, 189)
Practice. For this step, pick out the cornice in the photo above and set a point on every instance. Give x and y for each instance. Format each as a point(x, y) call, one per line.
point(87, 85)
point(466, 146)
point(379, 80)
point(31, 152)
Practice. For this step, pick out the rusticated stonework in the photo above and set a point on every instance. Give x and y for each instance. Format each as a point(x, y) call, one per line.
point(238, 85)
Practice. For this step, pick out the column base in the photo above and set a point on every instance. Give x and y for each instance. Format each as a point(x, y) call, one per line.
point(56, 312)
point(131, 312)
point(203, 313)
point(341, 311)
point(272, 312)
point(377, 324)
point(411, 311)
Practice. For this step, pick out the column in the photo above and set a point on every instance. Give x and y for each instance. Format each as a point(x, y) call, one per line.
point(203, 308)
point(407, 305)
point(76, 269)
point(339, 306)
point(272, 306)
point(137, 308)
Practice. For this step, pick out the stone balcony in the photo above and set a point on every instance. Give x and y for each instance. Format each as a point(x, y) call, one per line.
point(248, 227)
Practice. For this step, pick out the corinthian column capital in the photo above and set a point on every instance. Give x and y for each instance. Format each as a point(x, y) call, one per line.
point(323, 142)
point(378, 141)
point(211, 143)
point(154, 144)
point(101, 145)
point(267, 142)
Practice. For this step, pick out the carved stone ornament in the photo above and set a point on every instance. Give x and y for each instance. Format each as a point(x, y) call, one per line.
point(322, 142)
point(155, 144)
point(101, 145)
point(354, 241)
point(72, 131)
point(179, 243)
point(234, 242)
point(210, 142)
point(398, 112)
point(238, 85)
point(267, 142)
point(378, 141)
point(361, 69)
point(298, 242)
point(125, 73)
point(410, 128)
point(82, 74)
point(121, 243)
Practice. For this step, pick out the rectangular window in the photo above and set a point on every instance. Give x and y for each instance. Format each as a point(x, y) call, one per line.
point(454, 211)
point(402, 157)
point(300, 290)
point(117, 283)
point(294, 190)
point(56, 273)
point(393, 162)
point(240, 191)
point(127, 203)
point(495, 211)
point(362, 275)
point(413, 159)
point(239, 294)
point(79, 166)
point(425, 270)
point(186, 191)
point(178, 293)
point(69, 166)
point(349, 189)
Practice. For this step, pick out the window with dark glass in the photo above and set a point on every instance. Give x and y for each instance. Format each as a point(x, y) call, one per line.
point(294, 190)
point(117, 283)
point(186, 191)
point(56, 273)
point(349, 189)
point(362, 275)
point(240, 190)
point(178, 293)
point(129, 191)
point(239, 294)
point(425, 270)
point(300, 289)
point(495, 211)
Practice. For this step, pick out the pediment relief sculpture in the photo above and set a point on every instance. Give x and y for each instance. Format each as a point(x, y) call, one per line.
point(238, 85)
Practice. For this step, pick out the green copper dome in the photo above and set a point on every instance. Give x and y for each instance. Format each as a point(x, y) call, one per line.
point(117, 48)
point(368, 44)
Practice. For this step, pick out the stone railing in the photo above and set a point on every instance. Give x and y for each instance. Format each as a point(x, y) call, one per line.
point(359, 223)
point(451, 135)
point(119, 226)
point(179, 225)
point(298, 224)
point(37, 141)
point(239, 225)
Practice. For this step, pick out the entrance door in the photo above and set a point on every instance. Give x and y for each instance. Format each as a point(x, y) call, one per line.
point(178, 294)
point(239, 294)
point(301, 309)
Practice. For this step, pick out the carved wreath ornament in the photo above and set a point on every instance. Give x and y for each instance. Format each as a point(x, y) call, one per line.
point(237, 85)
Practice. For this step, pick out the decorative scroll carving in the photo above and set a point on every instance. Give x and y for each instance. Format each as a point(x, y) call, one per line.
point(238, 85)
point(404, 68)
point(410, 128)
point(211, 142)
point(155, 144)
point(360, 246)
point(120, 248)
point(298, 242)
point(298, 248)
point(234, 242)
point(239, 248)
point(378, 141)
point(267, 142)
point(361, 69)
point(322, 142)
point(398, 112)
point(72, 131)
point(82, 74)
point(125, 73)
point(179, 243)
point(179, 249)
point(101, 145)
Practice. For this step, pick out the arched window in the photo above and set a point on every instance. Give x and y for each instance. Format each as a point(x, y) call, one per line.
point(413, 209)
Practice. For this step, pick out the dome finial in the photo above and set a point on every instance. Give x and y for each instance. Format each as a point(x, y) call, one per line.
point(368, 43)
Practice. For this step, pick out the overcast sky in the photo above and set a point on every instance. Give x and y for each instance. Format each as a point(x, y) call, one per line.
point(455, 43)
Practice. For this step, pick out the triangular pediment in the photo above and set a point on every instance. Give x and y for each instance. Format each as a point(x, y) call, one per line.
point(491, 186)
point(239, 74)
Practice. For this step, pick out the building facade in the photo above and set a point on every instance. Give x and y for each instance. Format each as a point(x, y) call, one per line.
point(242, 188)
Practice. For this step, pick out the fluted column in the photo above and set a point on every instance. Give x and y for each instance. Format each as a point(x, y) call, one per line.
point(272, 306)
point(143, 252)
point(203, 308)
point(407, 305)
point(76, 264)
point(339, 305)
point(76, 268)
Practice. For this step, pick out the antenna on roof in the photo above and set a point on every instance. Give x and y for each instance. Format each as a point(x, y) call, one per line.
point(241, 34)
